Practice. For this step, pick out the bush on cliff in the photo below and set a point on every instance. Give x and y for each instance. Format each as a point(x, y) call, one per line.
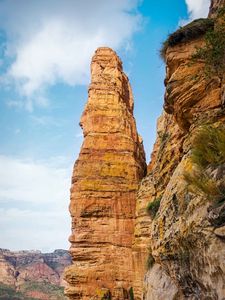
point(207, 155)
point(187, 33)
point(208, 146)
point(213, 53)
point(153, 207)
point(200, 182)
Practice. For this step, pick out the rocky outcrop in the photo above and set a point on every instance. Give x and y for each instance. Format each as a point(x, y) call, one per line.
point(166, 155)
point(22, 267)
point(183, 244)
point(160, 237)
point(104, 186)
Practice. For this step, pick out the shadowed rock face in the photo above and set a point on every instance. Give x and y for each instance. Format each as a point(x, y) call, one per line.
point(104, 185)
point(185, 240)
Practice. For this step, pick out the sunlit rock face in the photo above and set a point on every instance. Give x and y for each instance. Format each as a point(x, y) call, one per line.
point(32, 274)
point(152, 237)
point(189, 97)
point(104, 186)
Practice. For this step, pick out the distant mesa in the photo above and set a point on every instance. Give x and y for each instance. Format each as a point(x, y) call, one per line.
point(32, 274)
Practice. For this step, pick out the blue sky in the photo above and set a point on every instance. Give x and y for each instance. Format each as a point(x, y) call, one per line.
point(45, 53)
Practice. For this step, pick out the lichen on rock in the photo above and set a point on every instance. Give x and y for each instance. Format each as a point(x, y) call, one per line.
point(186, 238)
point(104, 185)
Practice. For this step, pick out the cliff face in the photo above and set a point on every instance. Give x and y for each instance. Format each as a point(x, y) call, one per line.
point(104, 185)
point(160, 237)
point(33, 268)
point(183, 243)
point(166, 155)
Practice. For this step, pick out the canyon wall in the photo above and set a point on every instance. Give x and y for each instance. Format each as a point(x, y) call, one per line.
point(179, 252)
point(160, 235)
point(104, 186)
point(35, 274)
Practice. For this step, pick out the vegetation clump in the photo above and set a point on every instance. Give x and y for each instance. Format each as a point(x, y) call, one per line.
point(153, 207)
point(187, 33)
point(131, 294)
point(213, 53)
point(53, 291)
point(202, 183)
point(208, 146)
point(208, 154)
point(9, 293)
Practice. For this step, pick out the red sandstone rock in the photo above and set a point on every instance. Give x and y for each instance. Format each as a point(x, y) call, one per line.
point(21, 268)
point(104, 185)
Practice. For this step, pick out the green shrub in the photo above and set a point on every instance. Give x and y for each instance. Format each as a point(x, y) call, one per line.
point(203, 184)
point(153, 207)
point(53, 291)
point(131, 294)
point(150, 261)
point(9, 293)
point(187, 33)
point(208, 146)
point(213, 53)
point(208, 152)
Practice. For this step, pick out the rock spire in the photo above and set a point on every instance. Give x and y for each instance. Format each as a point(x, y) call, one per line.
point(104, 185)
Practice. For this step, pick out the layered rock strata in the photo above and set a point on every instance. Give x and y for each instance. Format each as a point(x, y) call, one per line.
point(166, 155)
point(20, 266)
point(184, 241)
point(104, 187)
point(29, 271)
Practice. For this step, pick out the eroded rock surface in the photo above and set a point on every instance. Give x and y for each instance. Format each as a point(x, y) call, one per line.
point(185, 239)
point(104, 186)
point(155, 238)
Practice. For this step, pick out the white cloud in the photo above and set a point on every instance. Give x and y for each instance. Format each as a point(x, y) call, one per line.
point(34, 199)
point(197, 8)
point(53, 41)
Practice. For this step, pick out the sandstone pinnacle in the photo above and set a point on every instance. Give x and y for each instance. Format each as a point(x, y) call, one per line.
point(104, 185)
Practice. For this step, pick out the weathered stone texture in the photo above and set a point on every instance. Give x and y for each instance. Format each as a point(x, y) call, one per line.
point(166, 155)
point(186, 237)
point(104, 185)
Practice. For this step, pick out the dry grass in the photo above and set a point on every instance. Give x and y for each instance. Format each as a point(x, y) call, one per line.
point(187, 33)
point(207, 154)
point(208, 146)
point(199, 182)
point(153, 207)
